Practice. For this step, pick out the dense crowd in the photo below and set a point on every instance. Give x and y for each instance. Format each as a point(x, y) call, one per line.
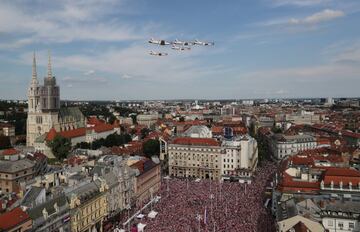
point(213, 206)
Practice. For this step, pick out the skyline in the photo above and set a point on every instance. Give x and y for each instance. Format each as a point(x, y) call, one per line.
point(279, 49)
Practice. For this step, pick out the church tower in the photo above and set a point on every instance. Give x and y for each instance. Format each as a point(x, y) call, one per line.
point(43, 105)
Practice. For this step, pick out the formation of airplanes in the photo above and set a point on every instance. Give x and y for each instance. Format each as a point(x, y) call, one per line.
point(177, 45)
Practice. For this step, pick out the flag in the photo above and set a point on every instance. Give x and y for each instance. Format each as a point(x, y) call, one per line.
point(205, 216)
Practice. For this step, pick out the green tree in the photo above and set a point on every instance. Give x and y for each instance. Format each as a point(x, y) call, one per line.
point(4, 142)
point(151, 147)
point(60, 147)
point(83, 145)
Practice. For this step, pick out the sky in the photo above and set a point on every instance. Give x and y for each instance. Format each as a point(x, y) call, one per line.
point(263, 48)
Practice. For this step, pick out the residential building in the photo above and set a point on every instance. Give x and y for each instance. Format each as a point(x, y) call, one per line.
point(52, 215)
point(147, 180)
point(120, 179)
point(14, 172)
point(339, 216)
point(88, 206)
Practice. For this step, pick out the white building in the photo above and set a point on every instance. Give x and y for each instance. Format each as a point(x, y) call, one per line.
point(341, 216)
point(285, 145)
point(239, 159)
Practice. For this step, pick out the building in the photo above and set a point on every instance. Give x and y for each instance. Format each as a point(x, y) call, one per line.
point(88, 206)
point(147, 180)
point(45, 121)
point(14, 172)
point(341, 216)
point(7, 129)
point(15, 220)
point(303, 117)
point(239, 159)
point(147, 119)
point(52, 215)
point(120, 179)
point(285, 145)
point(194, 157)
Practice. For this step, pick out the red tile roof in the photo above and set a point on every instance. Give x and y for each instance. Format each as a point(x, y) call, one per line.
point(195, 141)
point(103, 127)
point(342, 172)
point(13, 218)
point(51, 134)
point(74, 133)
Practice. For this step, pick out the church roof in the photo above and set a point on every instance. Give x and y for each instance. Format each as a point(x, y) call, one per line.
point(72, 113)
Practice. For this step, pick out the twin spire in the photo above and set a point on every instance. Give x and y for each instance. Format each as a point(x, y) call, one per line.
point(34, 72)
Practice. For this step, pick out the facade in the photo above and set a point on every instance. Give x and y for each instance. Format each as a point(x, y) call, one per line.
point(341, 216)
point(147, 180)
point(147, 119)
point(88, 207)
point(302, 118)
point(43, 105)
point(51, 216)
point(194, 157)
point(286, 145)
point(239, 159)
point(119, 178)
point(14, 172)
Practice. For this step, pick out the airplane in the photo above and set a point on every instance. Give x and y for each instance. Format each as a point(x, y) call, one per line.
point(197, 42)
point(158, 53)
point(184, 43)
point(159, 42)
point(181, 48)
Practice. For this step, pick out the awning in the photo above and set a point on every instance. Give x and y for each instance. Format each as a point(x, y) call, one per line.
point(141, 227)
point(152, 214)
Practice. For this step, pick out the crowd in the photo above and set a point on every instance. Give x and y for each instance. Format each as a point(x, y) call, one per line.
point(213, 206)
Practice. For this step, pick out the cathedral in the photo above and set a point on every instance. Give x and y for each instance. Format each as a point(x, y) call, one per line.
point(46, 118)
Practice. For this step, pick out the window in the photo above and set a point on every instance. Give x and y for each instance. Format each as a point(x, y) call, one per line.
point(351, 225)
point(341, 225)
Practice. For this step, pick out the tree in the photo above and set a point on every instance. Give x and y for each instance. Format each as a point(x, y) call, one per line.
point(111, 119)
point(60, 147)
point(151, 147)
point(83, 145)
point(4, 142)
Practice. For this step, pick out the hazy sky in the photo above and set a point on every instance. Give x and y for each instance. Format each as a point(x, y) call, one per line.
point(263, 48)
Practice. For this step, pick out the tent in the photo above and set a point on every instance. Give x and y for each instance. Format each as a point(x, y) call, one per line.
point(140, 216)
point(141, 227)
point(152, 214)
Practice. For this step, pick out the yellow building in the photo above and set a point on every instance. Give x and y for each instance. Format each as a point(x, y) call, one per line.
point(88, 207)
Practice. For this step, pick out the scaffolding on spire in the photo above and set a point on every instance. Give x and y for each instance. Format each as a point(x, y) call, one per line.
point(49, 74)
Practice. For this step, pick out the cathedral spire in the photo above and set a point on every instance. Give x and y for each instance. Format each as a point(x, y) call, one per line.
point(34, 73)
point(49, 74)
